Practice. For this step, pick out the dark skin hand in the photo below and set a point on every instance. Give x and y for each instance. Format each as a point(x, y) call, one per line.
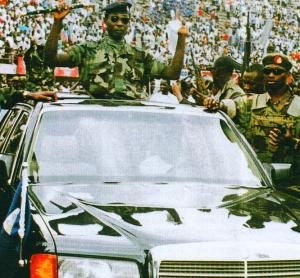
point(62, 13)
point(211, 104)
point(276, 137)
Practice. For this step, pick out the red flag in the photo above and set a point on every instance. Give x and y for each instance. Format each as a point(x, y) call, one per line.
point(21, 66)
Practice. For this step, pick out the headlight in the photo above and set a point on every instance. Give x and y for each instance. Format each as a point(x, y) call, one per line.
point(93, 268)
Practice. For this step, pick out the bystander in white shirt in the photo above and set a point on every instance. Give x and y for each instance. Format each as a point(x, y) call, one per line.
point(164, 95)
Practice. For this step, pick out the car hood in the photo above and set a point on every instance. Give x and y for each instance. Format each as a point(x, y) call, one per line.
point(84, 219)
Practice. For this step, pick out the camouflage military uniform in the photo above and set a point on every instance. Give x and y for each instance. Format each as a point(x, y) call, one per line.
point(9, 96)
point(257, 115)
point(110, 69)
point(230, 91)
point(40, 77)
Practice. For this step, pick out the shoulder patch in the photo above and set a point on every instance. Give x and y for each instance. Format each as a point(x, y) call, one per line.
point(294, 107)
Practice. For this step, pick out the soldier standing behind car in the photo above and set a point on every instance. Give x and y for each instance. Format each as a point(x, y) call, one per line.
point(223, 85)
point(111, 68)
point(271, 120)
point(16, 92)
point(254, 79)
point(40, 77)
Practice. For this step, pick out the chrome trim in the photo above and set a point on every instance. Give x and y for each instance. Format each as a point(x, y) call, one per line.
point(245, 269)
point(242, 269)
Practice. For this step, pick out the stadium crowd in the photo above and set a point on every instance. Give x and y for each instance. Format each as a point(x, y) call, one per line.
point(217, 27)
point(184, 38)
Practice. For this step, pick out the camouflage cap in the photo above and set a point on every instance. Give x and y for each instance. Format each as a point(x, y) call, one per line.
point(277, 59)
point(123, 7)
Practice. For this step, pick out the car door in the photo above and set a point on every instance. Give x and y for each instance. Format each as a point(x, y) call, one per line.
point(11, 137)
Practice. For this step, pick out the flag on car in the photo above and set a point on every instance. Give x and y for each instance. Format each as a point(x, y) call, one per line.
point(15, 230)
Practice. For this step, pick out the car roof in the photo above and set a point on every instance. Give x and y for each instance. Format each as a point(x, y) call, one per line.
point(86, 103)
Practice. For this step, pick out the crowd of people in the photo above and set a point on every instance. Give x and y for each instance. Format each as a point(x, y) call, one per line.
point(128, 56)
point(217, 27)
point(121, 48)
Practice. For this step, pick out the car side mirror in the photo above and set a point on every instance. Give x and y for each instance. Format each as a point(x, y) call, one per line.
point(6, 161)
point(279, 172)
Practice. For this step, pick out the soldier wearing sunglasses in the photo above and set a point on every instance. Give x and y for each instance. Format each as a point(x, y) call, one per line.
point(112, 68)
point(271, 120)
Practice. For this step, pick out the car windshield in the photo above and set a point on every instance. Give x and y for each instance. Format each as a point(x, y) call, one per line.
point(114, 146)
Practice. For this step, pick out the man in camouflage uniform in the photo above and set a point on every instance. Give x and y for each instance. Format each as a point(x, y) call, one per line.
point(254, 79)
point(271, 120)
point(223, 85)
point(111, 68)
point(40, 77)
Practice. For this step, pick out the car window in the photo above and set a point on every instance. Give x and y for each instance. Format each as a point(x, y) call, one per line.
point(14, 139)
point(121, 145)
point(2, 113)
point(8, 126)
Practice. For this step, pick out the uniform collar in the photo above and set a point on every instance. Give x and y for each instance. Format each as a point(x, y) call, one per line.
point(121, 46)
point(262, 100)
point(229, 83)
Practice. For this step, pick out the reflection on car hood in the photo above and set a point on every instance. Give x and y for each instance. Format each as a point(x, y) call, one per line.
point(242, 215)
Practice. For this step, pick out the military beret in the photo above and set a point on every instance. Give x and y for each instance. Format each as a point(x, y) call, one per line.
point(277, 59)
point(224, 62)
point(117, 7)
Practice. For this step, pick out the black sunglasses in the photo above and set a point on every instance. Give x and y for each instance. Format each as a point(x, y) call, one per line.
point(115, 19)
point(275, 71)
